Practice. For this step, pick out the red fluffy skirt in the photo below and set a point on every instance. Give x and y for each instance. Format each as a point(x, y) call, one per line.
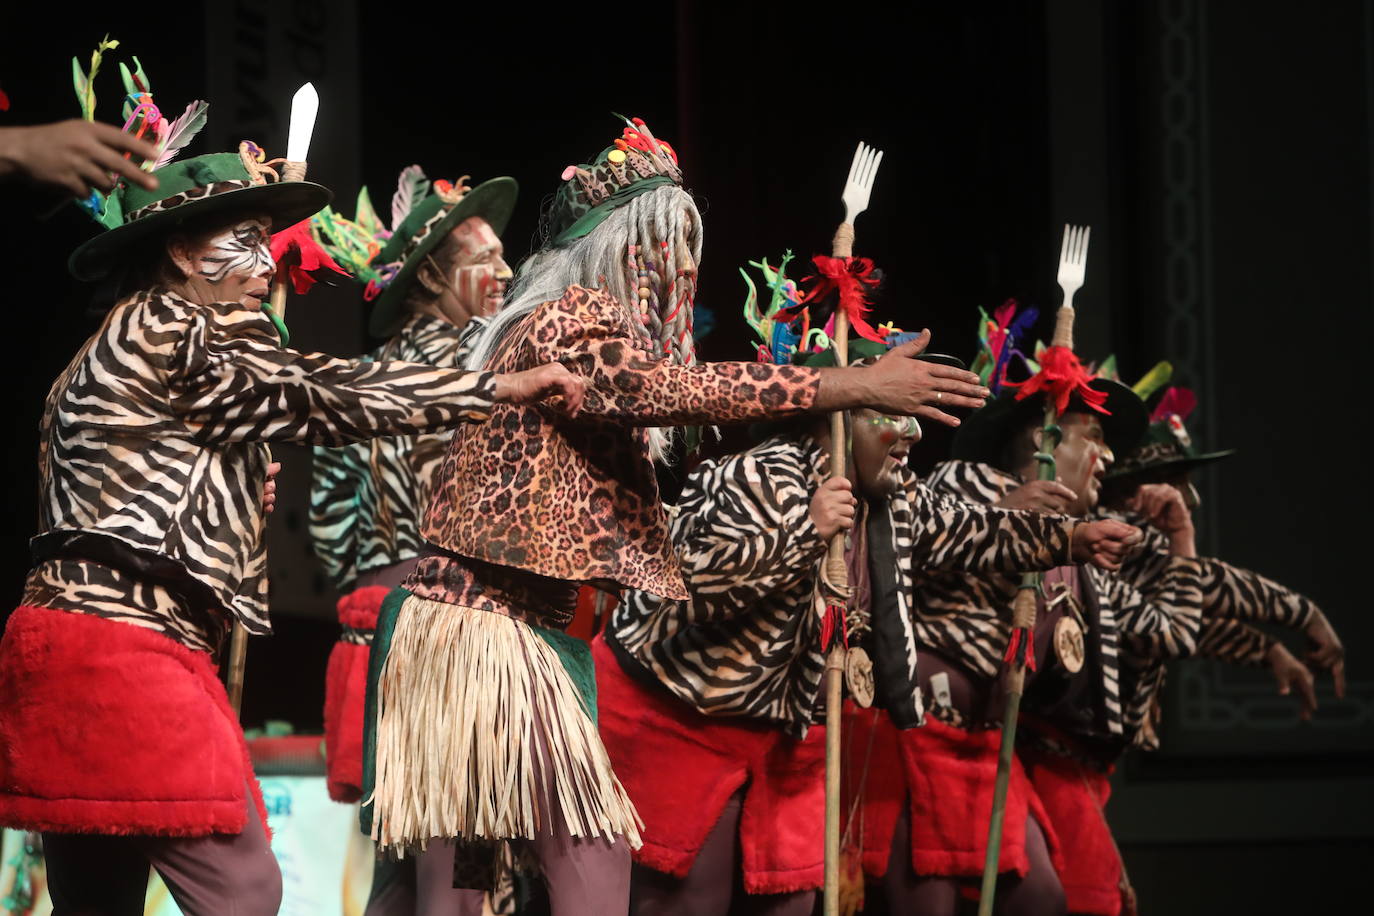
point(946, 774)
point(110, 728)
point(345, 688)
point(680, 768)
point(1074, 796)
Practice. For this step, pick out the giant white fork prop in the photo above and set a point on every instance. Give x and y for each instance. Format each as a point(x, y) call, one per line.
point(857, 190)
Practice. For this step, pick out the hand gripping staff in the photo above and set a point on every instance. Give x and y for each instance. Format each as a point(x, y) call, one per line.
point(835, 576)
point(304, 106)
point(1059, 377)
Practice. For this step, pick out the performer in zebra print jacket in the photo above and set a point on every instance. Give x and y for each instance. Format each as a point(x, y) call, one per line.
point(716, 699)
point(440, 274)
point(152, 475)
point(1151, 487)
point(926, 846)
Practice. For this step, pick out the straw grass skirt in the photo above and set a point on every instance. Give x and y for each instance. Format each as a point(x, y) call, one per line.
point(481, 732)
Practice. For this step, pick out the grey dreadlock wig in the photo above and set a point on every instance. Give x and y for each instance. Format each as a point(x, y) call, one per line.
point(645, 254)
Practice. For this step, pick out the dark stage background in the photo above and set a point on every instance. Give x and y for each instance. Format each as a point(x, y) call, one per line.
point(1221, 152)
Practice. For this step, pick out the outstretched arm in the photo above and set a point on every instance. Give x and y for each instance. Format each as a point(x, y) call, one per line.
point(586, 330)
point(229, 381)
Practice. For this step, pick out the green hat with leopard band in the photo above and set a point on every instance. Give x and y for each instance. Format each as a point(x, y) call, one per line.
point(636, 163)
point(242, 182)
point(423, 213)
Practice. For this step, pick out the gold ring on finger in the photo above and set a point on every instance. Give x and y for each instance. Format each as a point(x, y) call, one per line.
point(939, 395)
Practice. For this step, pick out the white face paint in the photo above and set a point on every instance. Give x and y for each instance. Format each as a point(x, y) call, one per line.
point(231, 263)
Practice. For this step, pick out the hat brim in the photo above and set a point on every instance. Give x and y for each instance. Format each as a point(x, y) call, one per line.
point(286, 203)
point(983, 434)
point(1173, 465)
point(493, 200)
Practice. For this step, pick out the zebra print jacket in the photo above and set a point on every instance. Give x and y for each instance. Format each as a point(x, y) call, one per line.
point(153, 458)
point(1232, 599)
point(967, 619)
point(367, 498)
point(746, 643)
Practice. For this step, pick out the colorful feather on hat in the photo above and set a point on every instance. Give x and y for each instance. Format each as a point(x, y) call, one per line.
point(182, 131)
point(411, 188)
point(85, 82)
point(135, 84)
point(778, 336)
point(999, 338)
point(365, 215)
point(1154, 380)
point(1177, 402)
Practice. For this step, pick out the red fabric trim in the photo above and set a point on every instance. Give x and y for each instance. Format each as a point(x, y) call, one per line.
point(948, 775)
point(680, 768)
point(359, 608)
point(345, 690)
point(111, 728)
point(1074, 797)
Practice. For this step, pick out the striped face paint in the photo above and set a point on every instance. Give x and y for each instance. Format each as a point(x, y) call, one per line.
point(238, 252)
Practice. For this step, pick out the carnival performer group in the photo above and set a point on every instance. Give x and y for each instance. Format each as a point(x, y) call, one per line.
point(490, 471)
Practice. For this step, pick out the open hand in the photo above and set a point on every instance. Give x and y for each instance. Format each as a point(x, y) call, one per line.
point(832, 508)
point(1104, 543)
point(1049, 497)
point(902, 385)
point(76, 156)
point(547, 381)
point(1325, 650)
point(269, 491)
point(1291, 673)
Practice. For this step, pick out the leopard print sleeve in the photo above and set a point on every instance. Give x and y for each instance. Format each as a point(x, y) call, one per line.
point(228, 381)
point(588, 332)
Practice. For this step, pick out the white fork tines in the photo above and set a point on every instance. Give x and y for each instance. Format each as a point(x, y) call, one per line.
point(1073, 260)
point(859, 185)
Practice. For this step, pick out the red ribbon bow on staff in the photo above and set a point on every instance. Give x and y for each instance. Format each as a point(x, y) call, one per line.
point(310, 256)
point(1061, 376)
point(851, 278)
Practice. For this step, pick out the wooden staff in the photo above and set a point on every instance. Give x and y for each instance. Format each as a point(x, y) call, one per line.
point(1023, 612)
point(304, 106)
point(837, 580)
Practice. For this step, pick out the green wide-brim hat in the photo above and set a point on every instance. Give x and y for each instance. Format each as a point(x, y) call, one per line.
point(191, 189)
point(427, 224)
point(983, 434)
point(1160, 450)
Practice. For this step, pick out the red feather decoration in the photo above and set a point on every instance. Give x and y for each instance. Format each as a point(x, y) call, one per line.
point(308, 255)
point(1179, 402)
point(1062, 376)
point(852, 278)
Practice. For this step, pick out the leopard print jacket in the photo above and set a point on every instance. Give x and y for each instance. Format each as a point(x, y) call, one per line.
point(575, 498)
